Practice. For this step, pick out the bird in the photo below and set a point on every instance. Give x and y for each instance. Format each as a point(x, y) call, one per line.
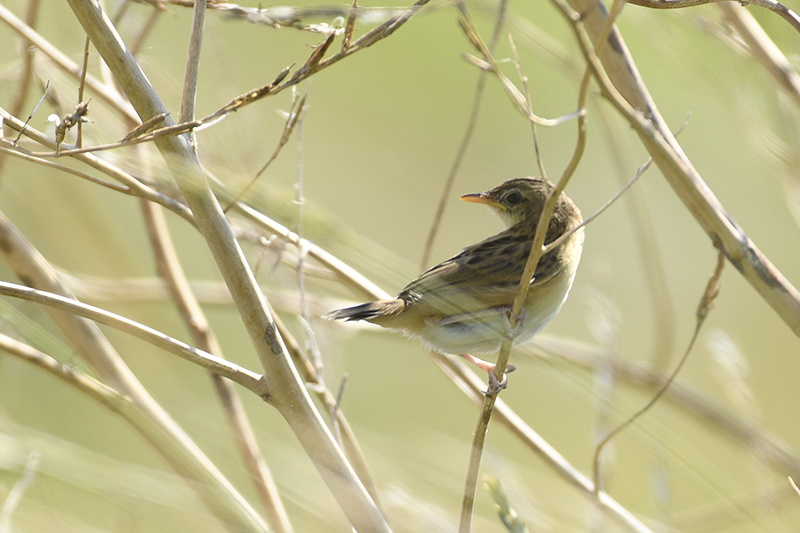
point(462, 306)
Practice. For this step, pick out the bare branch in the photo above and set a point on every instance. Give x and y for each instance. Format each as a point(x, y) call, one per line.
point(615, 71)
point(776, 7)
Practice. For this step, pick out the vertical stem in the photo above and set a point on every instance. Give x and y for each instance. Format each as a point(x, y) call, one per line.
point(172, 273)
point(282, 386)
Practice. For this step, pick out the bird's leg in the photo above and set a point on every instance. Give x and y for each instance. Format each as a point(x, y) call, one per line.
point(513, 333)
point(495, 385)
point(510, 333)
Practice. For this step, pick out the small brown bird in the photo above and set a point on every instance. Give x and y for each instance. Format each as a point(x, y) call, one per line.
point(463, 304)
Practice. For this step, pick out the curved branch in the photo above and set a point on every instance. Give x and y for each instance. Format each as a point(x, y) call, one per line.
point(776, 7)
point(621, 83)
point(242, 376)
point(285, 391)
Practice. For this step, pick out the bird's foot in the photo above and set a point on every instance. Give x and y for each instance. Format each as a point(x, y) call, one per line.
point(495, 384)
point(512, 333)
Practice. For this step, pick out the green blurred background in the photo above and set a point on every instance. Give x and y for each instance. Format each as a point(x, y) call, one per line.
point(377, 142)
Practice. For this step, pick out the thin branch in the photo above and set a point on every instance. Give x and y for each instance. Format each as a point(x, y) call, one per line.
point(100, 90)
point(489, 64)
point(305, 319)
point(132, 184)
point(535, 254)
point(170, 270)
point(630, 97)
point(465, 140)
point(294, 115)
point(16, 152)
point(242, 376)
point(472, 387)
point(350, 276)
point(81, 88)
point(26, 74)
point(706, 302)
point(189, 96)
point(588, 220)
point(285, 391)
point(87, 340)
point(763, 49)
point(776, 7)
point(529, 105)
point(706, 411)
point(144, 32)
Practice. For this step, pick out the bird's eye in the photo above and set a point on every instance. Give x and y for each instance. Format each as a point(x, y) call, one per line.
point(513, 198)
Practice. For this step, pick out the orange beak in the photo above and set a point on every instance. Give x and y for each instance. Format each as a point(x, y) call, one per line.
point(481, 198)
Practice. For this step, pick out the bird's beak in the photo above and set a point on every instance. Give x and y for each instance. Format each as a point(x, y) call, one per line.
point(482, 198)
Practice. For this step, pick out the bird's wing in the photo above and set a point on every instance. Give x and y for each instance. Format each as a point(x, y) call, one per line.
point(484, 275)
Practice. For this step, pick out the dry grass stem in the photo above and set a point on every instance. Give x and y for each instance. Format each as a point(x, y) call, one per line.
point(285, 391)
point(706, 302)
point(132, 184)
point(472, 386)
point(776, 7)
point(246, 378)
point(87, 340)
point(170, 270)
point(294, 115)
point(536, 252)
point(629, 96)
point(465, 139)
point(763, 49)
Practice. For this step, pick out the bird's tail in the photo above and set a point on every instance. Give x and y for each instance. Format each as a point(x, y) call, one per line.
point(368, 311)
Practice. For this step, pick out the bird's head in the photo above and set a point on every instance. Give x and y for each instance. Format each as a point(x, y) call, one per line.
point(516, 200)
